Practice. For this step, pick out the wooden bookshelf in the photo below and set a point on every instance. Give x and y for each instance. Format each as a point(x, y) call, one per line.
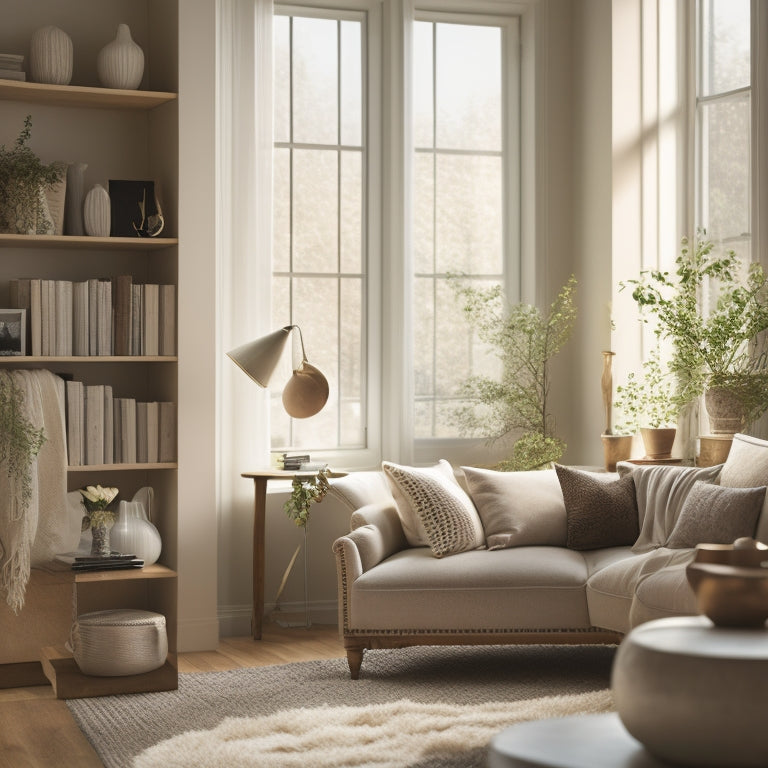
point(82, 96)
point(85, 242)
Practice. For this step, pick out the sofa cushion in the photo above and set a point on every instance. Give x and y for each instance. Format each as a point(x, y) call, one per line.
point(523, 588)
point(359, 489)
point(661, 492)
point(598, 513)
point(747, 467)
point(432, 505)
point(713, 514)
point(611, 589)
point(518, 508)
point(664, 592)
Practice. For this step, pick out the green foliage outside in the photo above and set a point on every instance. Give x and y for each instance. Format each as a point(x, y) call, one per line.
point(23, 178)
point(20, 440)
point(525, 340)
point(712, 346)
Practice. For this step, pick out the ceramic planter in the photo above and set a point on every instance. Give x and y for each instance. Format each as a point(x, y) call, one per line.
point(50, 56)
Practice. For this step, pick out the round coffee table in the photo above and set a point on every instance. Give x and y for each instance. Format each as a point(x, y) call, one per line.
point(582, 741)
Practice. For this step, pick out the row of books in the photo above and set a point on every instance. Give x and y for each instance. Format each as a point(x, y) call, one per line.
point(103, 429)
point(96, 317)
point(10, 67)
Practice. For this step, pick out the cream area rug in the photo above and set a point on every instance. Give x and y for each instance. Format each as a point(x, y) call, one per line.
point(412, 708)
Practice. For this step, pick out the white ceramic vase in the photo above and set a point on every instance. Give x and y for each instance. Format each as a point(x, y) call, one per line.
point(133, 534)
point(73, 203)
point(96, 215)
point(50, 56)
point(120, 64)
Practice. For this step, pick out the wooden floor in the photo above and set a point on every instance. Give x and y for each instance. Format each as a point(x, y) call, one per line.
point(37, 730)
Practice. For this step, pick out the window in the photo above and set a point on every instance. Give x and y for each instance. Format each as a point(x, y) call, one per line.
point(462, 181)
point(464, 166)
point(319, 250)
point(723, 122)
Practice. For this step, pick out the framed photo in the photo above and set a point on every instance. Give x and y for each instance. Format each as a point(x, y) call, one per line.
point(13, 331)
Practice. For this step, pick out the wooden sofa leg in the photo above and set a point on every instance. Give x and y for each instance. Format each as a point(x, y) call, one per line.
point(355, 661)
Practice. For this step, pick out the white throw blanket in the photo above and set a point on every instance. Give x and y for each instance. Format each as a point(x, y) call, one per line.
point(32, 536)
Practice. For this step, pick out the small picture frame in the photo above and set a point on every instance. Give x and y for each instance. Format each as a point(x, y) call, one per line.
point(13, 332)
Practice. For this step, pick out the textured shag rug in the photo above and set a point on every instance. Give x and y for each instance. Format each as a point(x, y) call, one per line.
point(412, 708)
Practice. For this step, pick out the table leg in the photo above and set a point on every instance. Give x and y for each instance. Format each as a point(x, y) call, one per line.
point(259, 514)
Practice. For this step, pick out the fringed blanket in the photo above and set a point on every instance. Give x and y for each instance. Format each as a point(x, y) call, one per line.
point(32, 534)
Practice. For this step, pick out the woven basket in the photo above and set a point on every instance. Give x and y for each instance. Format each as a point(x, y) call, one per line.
point(119, 642)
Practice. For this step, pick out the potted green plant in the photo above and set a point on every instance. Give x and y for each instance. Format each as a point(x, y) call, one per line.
point(649, 403)
point(23, 181)
point(712, 344)
point(516, 405)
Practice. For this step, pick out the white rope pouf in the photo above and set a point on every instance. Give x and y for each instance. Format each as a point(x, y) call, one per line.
point(119, 642)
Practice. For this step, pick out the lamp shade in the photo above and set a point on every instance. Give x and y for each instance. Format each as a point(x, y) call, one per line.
point(259, 358)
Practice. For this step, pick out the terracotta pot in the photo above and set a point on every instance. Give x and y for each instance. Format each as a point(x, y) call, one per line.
point(616, 448)
point(658, 442)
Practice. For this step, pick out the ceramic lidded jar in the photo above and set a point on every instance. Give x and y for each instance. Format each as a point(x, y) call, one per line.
point(96, 212)
point(50, 56)
point(120, 64)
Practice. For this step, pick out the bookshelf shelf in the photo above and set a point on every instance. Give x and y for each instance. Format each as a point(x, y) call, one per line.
point(89, 243)
point(20, 360)
point(122, 467)
point(82, 96)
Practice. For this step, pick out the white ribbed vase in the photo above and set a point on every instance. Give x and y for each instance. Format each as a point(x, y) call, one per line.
point(133, 534)
point(73, 202)
point(50, 56)
point(96, 216)
point(120, 64)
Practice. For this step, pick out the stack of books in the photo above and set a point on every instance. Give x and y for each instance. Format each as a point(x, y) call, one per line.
point(293, 462)
point(97, 317)
point(113, 562)
point(10, 67)
point(103, 429)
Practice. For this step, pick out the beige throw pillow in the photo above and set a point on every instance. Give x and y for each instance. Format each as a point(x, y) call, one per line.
point(518, 509)
point(432, 504)
point(716, 515)
point(661, 491)
point(747, 467)
point(598, 513)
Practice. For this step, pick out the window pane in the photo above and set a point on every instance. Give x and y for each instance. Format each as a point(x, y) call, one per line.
point(468, 87)
point(282, 74)
point(469, 214)
point(725, 54)
point(351, 221)
point(351, 378)
point(281, 210)
point(424, 213)
point(315, 210)
point(315, 81)
point(725, 167)
point(351, 84)
point(423, 82)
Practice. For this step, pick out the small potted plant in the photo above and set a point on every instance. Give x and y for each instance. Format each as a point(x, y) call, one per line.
point(24, 178)
point(650, 403)
point(99, 517)
point(713, 344)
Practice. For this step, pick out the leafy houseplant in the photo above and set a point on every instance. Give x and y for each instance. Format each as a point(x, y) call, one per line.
point(23, 181)
point(712, 346)
point(305, 492)
point(20, 440)
point(525, 340)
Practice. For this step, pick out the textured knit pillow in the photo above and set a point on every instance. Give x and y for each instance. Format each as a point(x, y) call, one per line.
point(713, 514)
point(747, 467)
point(598, 513)
point(444, 511)
point(518, 508)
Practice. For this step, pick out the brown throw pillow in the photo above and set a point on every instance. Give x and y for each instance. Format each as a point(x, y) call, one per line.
point(713, 514)
point(599, 513)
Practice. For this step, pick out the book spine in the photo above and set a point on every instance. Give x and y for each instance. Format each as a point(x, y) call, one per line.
point(167, 330)
point(122, 290)
point(36, 319)
point(151, 318)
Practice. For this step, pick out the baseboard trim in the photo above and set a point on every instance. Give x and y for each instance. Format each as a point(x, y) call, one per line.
point(235, 620)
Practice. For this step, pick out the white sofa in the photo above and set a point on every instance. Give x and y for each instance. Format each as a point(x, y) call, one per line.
point(553, 561)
